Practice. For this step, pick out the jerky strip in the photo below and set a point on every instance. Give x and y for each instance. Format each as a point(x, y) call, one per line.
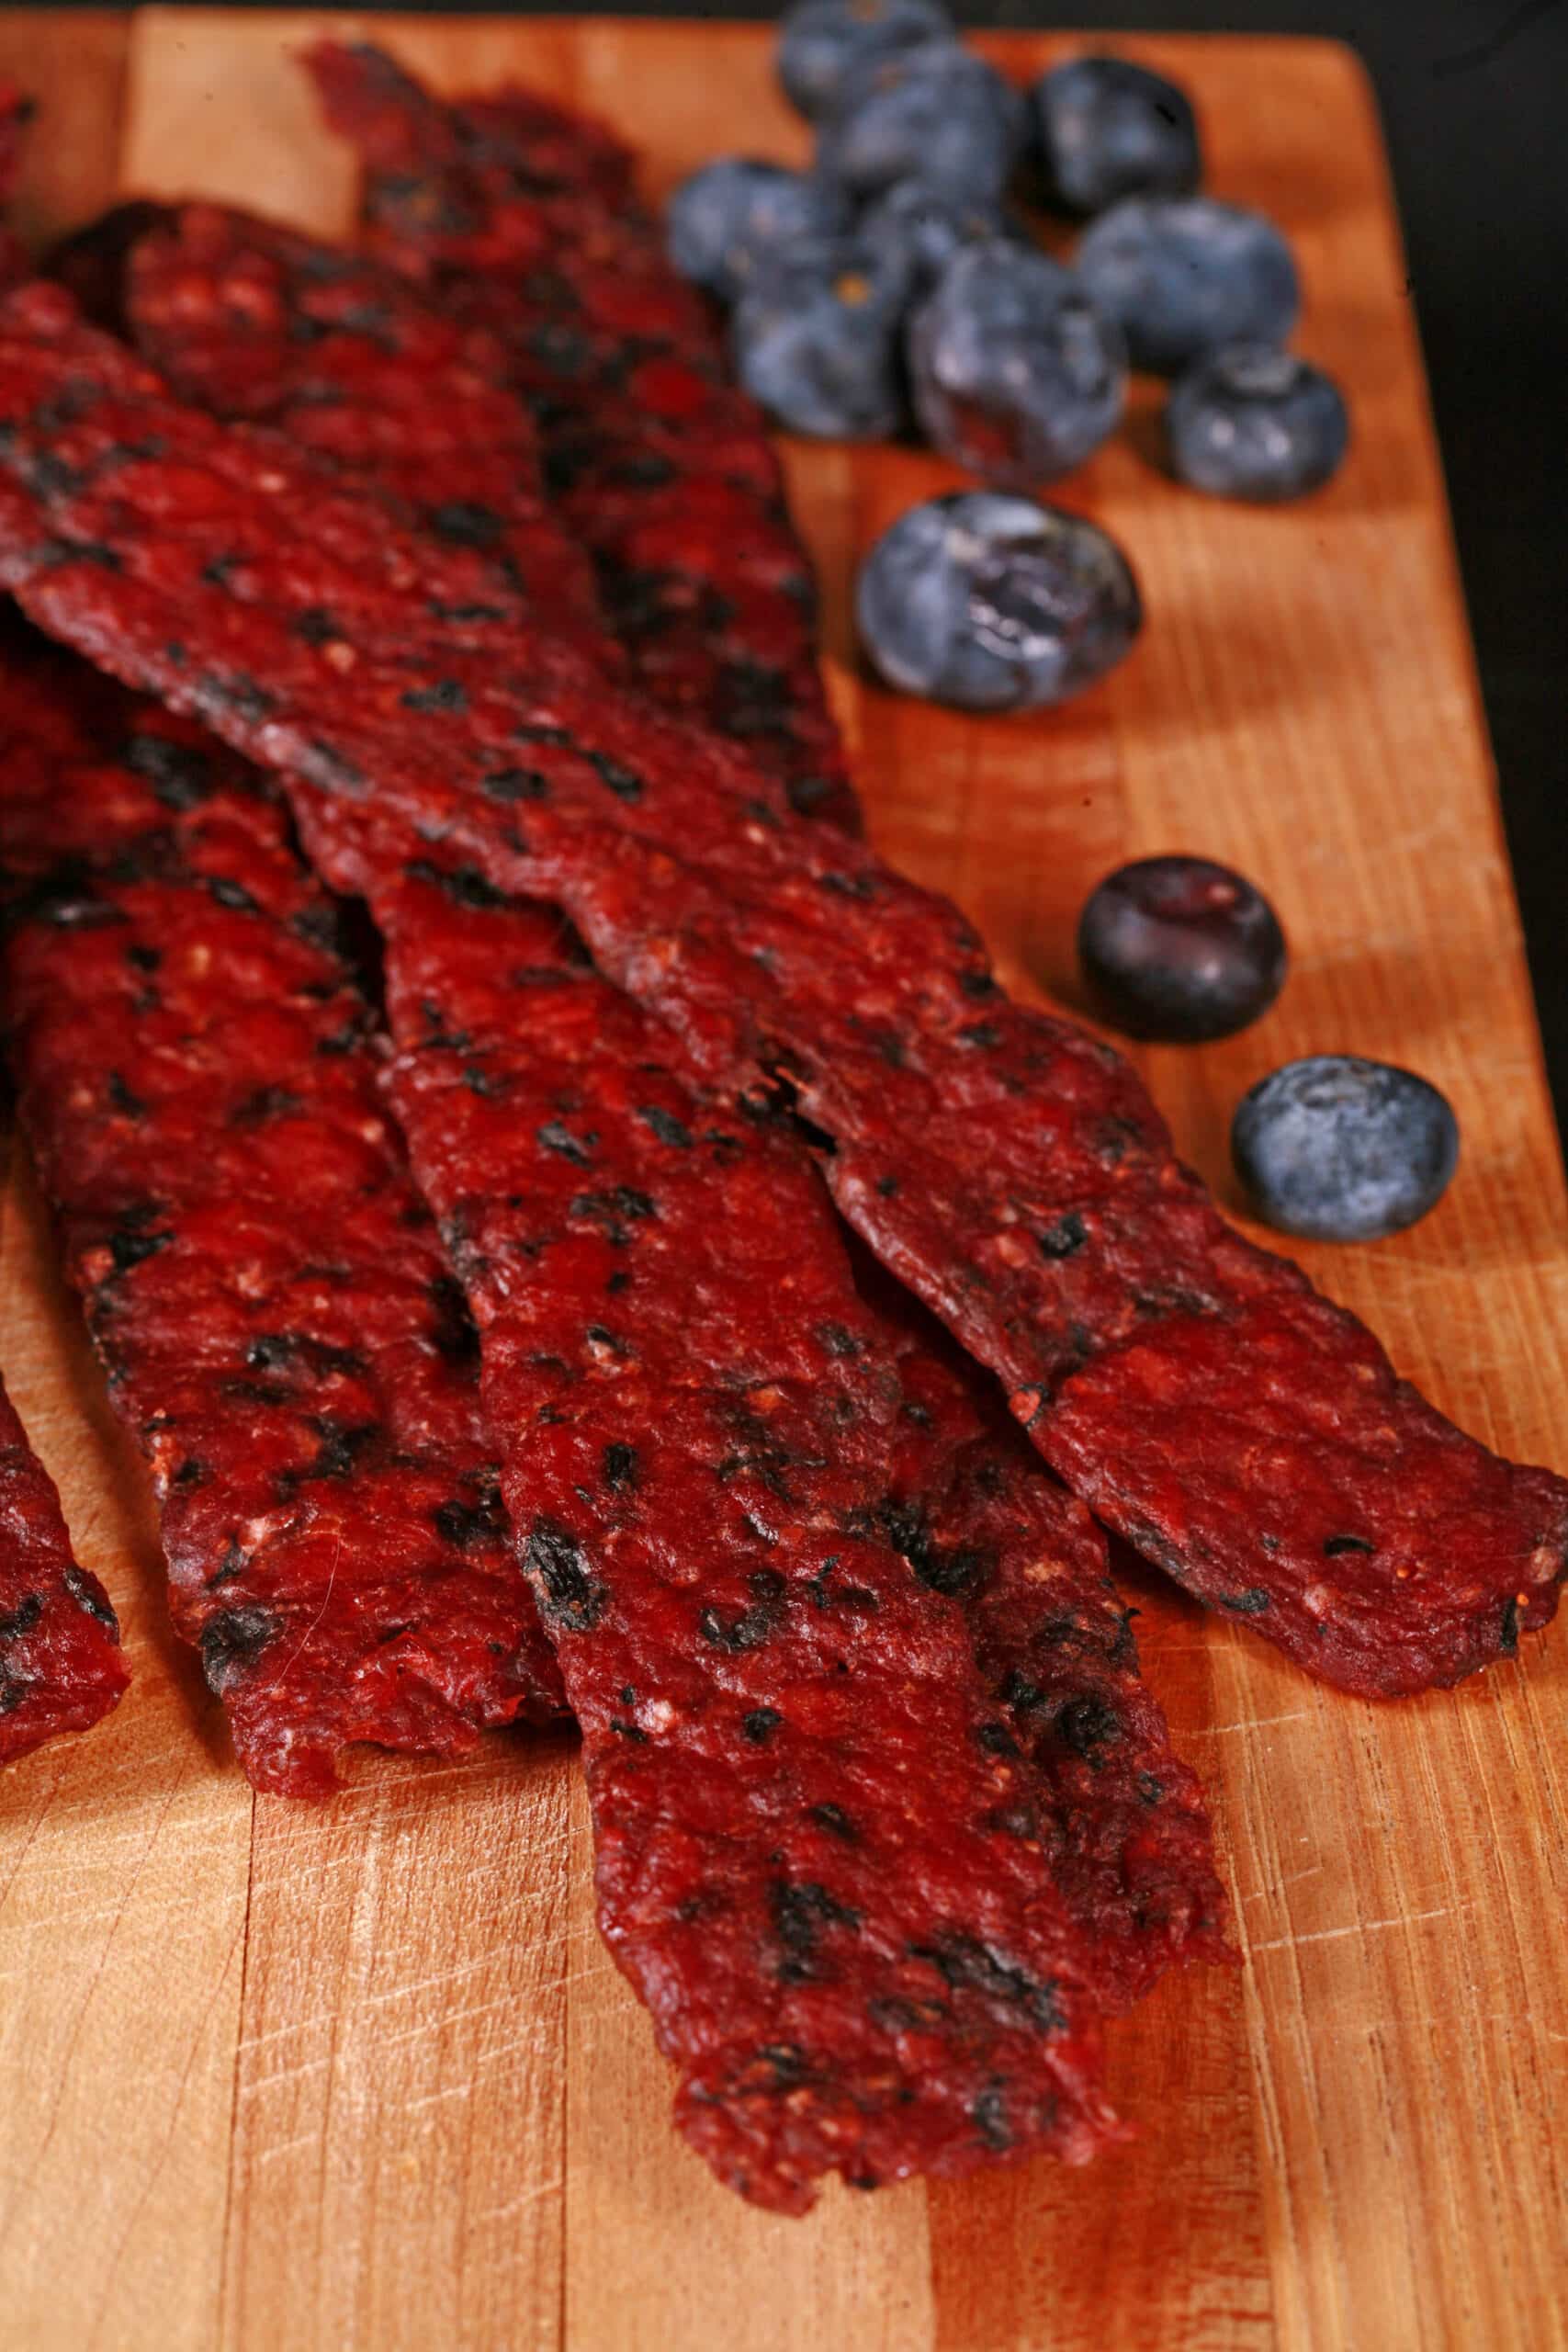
point(819, 1859)
point(1143, 1929)
point(262, 1281)
point(60, 1667)
point(1196, 1390)
point(663, 468)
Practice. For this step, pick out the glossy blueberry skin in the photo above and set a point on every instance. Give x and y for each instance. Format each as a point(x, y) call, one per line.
point(939, 114)
point(1105, 129)
point(1335, 1148)
point(1180, 949)
point(817, 340)
point(1255, 421)
point(1185, 275)
point(988, 602)
point(727, 218)
point(918, 230)
point(822, 42)
point(1013, 371)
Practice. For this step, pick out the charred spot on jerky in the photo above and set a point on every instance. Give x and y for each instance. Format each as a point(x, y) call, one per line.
point(1338, 1544)
point(967, 1964)
point(88, 1595)
point(145, 960)
point(233, 1641)
point(465, 1524)
point(759, 1725)
point(558, 1138)
point(466, 886)
point(122, 1099)
point(481, 1081)
point(1508, 1632)
point(339, 1445)
point(976, 985)
point(445, 694)
point(666, 1127)
point(220, 570)
point(1150, 1789)
point(633, 1732)
point(463, 523)
point(800, 1910)
point(538, 731)
point(848, 886)
point(1065, 1237)
point(838, 1340)
point(624, 782)
point(316, 625)
point(620, 1465)
point(238, 693)
point(469, 612)
point(835, 1821)
point(132, 1242)
point(746, 1629)
point(267, 1102)
point(984, 1036)
point(1087, 1724)
point(559, 348)
point(989, 2115)
point(23, 1617)
point(180, 775)
point(994, 1739)
point(614, 1211)
point(515, 783)
point(230, 894)
point(1250, 1603)
point(1112, 1139)
point(453, 1334)
point(887, 1188)
point(570, 1594)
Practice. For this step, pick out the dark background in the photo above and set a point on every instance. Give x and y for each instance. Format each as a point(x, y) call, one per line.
point(1474, 95)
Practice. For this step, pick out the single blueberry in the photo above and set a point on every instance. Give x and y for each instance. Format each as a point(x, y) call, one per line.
point(1013, 371)
point(993, 603)
point(822, 42)
point(920, 229)
point(727, 217)
point(1181, 949)
point(938, 114)
point(1185, 275)
point(1105, 128)
point(1336, 1149)
point(1255, 421)
point(817, 341)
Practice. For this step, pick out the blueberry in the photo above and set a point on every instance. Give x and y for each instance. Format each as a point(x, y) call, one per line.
point(1255, 421)
point(821, 42)
point(1179, 948)
point(1105, 129)
point(817, 341)
point(939, 114)
point(1185, 275)
point(1013, 371)
point(1336, 1149)
point(920, 229)
point(724, 218)
point(992, 603)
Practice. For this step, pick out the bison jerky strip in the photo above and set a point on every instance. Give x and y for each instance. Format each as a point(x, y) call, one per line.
point(820, 1854)
point(260, 1278)
point(663, 466)
point(176, 283)
point(1195, 1389)
point(60, 1667)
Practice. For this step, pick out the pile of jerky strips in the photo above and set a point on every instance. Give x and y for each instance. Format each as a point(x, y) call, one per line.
point(572, 1230)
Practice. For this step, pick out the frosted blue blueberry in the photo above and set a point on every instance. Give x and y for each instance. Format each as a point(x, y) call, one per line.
point(1105, 129)
point(1013, 371)
point(938, 114)
point(1255, 421)
point(1186, 274)
point(992, 603)
point(821, 42)
point(918, 229)
point(817, 338)
point(725, 219)
point(1335, 1148)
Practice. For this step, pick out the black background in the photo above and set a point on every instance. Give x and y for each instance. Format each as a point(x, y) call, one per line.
point(1474, 95)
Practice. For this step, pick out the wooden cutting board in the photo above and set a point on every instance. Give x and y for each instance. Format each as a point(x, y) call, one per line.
point(291, 2080)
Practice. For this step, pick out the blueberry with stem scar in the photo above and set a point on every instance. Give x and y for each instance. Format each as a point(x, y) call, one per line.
point(1255, 421)
point(1180, 949)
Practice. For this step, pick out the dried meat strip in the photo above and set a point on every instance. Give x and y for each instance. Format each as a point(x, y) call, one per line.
point(1158, 1901)
point(60, 1667)
point(261, 1279)
point(821, 1857)
point(663, 468)
point(1240, 1430)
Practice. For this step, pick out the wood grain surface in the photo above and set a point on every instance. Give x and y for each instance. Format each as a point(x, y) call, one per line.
point(361, 2078)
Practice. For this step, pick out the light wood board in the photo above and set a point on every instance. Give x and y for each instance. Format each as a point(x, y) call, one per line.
point(314, 2081)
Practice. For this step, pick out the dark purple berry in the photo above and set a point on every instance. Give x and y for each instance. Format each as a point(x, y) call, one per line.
point(918, 229)
point(821, 42)
point(1184, 275)
point(1013, 371)
point(1180, 949)
point(725, 219)
point(818, 336)
point(1335, 1148)
point(939, 114)
point(992, 603)
point(1105, 129)
point(1255, 421)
